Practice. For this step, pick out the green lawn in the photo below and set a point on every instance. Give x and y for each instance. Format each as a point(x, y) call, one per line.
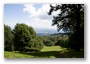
point(46, 52)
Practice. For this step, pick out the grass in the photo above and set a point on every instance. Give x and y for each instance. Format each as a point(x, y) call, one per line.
point(46, 52)
point(52, 48)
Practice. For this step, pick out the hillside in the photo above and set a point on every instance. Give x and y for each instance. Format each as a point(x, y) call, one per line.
point(43, 34)
point(60, 34)
point(52, 34)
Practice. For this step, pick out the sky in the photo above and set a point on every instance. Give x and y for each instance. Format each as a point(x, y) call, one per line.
point(34, 15)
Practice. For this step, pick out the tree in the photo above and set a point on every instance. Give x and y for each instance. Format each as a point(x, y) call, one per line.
point(8, 38)
point(22, 36)
point(26, 39)
point(64, 41)
point(32, 32)
point(70, 19)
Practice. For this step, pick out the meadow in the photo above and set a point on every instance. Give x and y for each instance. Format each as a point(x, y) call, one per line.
point(46, 52)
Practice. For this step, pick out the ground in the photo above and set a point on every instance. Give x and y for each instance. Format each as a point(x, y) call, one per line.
point(46, 52)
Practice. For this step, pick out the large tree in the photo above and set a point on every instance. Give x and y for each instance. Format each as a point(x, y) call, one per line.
point(22, 36)
point(8, 38)
point(26, 39)
point(70, 19)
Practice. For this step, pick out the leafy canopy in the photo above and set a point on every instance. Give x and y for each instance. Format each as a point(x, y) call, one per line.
point(8, 38)
point(26, 39)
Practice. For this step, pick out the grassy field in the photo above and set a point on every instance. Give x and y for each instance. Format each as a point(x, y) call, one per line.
point(46, 52)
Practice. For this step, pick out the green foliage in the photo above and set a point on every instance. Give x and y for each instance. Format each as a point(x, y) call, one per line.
point(61, 40)
point(22, 36)
point(68, 17)
point(34, 44)
point(64, 41)
point(8, 38)
point(26, 39)
point(50, 40)
point(32, 32)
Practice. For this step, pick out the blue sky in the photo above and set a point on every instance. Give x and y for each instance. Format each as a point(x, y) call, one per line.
point(34, 15)
point(13, 13)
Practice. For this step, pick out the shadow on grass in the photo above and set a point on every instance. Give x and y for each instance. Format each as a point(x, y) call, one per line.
point(56, 54)
point(71, 54)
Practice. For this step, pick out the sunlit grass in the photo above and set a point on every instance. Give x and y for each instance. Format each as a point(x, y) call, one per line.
point(52, 48)
point(46, 52)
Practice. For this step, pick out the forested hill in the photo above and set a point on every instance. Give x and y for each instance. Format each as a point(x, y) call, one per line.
point(50, 34)
point(60, 34)
point(43, 34)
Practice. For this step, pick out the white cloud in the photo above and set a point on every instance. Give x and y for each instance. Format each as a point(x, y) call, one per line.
point(40, 16)
point(42, 24)
point(41, 13)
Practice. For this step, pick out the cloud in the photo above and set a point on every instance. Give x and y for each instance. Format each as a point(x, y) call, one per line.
point(42, 24)
point(40, 16)
point(40, 13)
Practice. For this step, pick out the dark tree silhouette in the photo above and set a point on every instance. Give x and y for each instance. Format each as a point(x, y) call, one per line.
point(70, 19)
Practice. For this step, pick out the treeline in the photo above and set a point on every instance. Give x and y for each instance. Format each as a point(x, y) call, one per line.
point(21, 38)
point(64, 40)
point(51, 40)
point(24, 38)
point(56, 40)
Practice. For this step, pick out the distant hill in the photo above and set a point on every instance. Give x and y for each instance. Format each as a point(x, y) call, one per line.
point(43, 34)
point(50, 34)
point(46, 31)
point(60, 34)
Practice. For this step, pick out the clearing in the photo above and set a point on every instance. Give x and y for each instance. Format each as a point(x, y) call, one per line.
point(46, 52)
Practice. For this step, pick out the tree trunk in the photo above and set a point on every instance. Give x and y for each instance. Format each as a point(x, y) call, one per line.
point(77, 44)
